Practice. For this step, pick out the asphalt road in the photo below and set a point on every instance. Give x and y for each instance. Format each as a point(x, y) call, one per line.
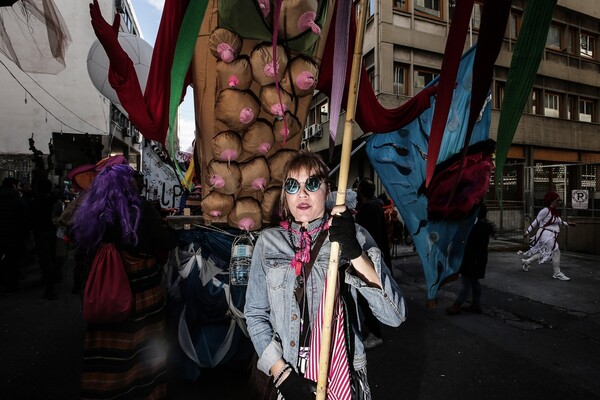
point(538, 338)
point(519, 348)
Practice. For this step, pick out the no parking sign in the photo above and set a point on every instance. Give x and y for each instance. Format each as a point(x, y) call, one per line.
point(579, 199)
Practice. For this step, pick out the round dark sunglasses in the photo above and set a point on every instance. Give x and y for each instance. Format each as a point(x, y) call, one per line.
point(292, 186)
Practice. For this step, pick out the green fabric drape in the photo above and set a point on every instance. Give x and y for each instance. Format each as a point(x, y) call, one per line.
point(184, 51)
point(523, 69)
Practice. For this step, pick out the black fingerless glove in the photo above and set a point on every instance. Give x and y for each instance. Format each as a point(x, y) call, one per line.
point(296, 387)
point(343, 231)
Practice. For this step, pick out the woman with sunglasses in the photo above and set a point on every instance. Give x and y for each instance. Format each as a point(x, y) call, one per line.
point(284, 298)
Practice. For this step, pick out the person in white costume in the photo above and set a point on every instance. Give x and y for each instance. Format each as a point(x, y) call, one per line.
point(544, 245)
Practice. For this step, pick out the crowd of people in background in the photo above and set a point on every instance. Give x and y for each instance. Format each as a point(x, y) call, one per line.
point(46, 224)
point(28, 229)
point(40, 222)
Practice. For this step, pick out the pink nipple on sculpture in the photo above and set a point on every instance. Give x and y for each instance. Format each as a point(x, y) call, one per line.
point(305, 80)
point(226, 52)
point(246, 115)
point(265, 7)
point(279, 109)
point(259, 184)
point(229, 155)
point(215, 213)
point(269, 69)
point(284, 132)
point(217, 181)
point(233, 81)
point(307, 21)
point(264, 148)
point(246, 224)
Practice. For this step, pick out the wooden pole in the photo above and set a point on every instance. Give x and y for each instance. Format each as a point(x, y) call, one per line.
point(332, 273)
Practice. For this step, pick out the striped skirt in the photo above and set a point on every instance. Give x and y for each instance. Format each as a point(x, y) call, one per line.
point(128, 360)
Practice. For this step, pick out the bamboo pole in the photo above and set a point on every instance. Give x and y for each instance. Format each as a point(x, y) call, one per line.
point(332, 273)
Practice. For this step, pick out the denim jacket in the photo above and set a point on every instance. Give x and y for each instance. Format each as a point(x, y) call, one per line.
point(272, 313)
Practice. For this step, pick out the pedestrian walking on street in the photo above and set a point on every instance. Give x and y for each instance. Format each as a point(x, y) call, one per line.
point(544, 244)
point(474, 263)
point(127, 359)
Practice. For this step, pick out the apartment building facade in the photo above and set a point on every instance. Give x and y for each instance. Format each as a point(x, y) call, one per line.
point(557, 143)
point(70, 122)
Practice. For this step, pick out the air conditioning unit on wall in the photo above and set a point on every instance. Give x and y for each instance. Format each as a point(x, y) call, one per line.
point(313, 131)
point(305, 135)
point(318, 131)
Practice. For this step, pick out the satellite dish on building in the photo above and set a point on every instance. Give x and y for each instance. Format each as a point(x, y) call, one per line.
point(138, 50)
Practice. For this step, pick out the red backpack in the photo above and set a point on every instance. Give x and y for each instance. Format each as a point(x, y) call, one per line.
point(107, 297)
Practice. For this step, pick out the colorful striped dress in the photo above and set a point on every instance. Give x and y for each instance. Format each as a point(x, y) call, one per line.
point(128, 360)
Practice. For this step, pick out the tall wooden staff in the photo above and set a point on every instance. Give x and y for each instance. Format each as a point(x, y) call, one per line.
point(332, 273)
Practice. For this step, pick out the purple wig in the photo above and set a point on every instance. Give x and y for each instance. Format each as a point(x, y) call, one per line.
point(110, 211)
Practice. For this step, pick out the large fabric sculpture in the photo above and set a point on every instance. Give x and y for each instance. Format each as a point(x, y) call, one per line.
point(242, 112)
point(252, 99)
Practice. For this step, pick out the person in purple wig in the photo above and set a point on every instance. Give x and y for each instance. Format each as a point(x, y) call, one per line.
point(127, 358)
point(114, 206)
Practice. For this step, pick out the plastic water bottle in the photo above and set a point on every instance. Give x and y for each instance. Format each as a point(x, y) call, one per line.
point(241, 255)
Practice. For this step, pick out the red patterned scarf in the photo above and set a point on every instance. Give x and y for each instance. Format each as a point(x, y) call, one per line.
point(302, 255)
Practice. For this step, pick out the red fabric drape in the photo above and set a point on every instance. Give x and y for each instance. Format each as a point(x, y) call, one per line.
point(149, 112)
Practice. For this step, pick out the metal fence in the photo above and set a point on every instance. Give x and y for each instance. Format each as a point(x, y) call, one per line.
point(523, 189)
point(16, 166)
